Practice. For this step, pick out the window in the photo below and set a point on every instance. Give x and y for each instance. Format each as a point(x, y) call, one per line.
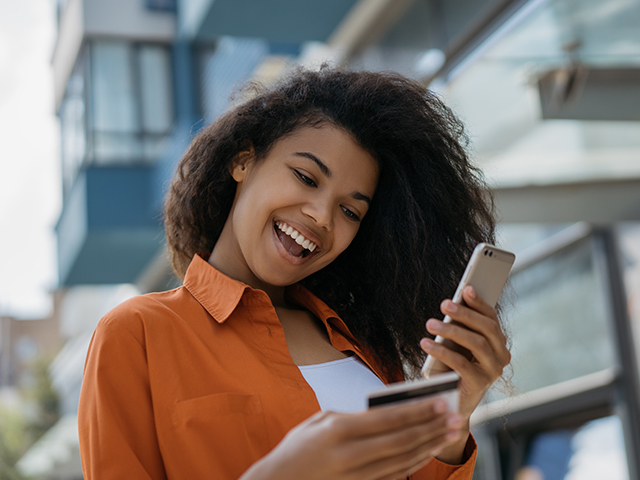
point(575, 408)
point(558, 320)
point(629, 235)
point(72, 125)
point(114, 90)
point(155, 96)
point(118, 106)
point(132, 101)
point(115, 117)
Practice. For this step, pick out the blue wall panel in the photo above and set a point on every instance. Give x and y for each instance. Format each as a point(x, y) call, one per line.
point(283, 21)
point(120, 232)
point(120, 197)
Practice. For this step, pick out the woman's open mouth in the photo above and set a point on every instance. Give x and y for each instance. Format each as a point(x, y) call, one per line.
point(293, 241)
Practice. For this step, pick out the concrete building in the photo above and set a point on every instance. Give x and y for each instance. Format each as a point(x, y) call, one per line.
point(550, 95)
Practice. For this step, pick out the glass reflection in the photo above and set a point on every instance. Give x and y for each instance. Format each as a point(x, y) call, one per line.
point(130, 111)
point(629, 237)
point(592, 452)
point(558, 321)
point(114, 93)
point(72, 125)
point(513, 140)
point(155, 89)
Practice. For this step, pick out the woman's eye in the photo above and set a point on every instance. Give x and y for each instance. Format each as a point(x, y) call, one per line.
point(350, 215)
point(304, 179)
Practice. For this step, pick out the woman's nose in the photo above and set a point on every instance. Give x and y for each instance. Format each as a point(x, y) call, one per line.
point(321, 212)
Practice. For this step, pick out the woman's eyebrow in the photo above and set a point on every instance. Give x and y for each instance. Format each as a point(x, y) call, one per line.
point(327, 173)
point(361, 196)
point(323, 168)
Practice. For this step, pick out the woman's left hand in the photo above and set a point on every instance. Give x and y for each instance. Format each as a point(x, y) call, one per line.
point(479, 332)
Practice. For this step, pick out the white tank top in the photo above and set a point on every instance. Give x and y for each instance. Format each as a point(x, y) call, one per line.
point(341, 385)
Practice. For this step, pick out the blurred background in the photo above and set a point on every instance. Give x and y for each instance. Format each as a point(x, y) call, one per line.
point(98, 100)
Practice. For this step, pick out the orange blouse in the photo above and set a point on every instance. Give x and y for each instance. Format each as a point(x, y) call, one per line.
point(198, 383)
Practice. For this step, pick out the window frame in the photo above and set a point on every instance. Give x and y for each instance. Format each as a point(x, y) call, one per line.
point(505, 428)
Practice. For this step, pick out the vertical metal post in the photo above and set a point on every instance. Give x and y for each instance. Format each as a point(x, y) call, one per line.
point(607, 258)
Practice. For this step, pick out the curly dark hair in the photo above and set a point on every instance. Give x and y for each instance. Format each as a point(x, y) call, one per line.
point(430, 209)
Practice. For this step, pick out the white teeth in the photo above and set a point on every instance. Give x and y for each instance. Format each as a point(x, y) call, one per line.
point(297, 236)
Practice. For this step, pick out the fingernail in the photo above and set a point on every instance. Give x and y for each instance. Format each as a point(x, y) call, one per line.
point(450, 306)
point(434, 325)
point(454, 421)
point(439, 406)
point(472, 292)
point(426, 343)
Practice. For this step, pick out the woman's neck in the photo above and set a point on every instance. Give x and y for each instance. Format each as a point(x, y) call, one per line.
point(276, 294)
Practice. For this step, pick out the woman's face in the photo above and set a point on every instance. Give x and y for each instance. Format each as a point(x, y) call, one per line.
point(295, 211)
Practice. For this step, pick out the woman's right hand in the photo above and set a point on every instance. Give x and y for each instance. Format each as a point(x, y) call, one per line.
point(383, 443)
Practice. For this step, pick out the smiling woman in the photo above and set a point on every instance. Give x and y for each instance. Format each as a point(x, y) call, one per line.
point(316, 181)
point(317, 227)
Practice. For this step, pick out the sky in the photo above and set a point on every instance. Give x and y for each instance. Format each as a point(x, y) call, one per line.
point(30, 185)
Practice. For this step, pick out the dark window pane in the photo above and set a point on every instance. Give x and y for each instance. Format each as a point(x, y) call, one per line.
point(113, 88)
point(72, 126)
point(155, 89)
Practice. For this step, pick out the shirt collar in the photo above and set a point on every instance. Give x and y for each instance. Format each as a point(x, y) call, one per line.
point(222, 300)
point(336, 328)
point(339, 334)
point(216, 292)
point(220, 296)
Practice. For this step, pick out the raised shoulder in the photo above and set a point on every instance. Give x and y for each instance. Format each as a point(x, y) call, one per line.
point(139, 313)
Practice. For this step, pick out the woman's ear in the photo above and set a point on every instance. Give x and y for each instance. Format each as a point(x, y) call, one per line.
point(240, 164)
point(238, 171)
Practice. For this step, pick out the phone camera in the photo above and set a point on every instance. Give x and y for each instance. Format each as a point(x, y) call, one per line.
point(491, 254)
point(486, 252)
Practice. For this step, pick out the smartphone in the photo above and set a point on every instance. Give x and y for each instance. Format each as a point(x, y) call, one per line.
point(443, 386)
point(487, 272)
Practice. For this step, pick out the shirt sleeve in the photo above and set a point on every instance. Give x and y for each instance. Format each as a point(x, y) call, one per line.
point(437, 470)
point(115, 416)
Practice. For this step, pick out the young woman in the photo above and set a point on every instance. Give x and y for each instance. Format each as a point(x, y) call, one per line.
point(318, 227)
